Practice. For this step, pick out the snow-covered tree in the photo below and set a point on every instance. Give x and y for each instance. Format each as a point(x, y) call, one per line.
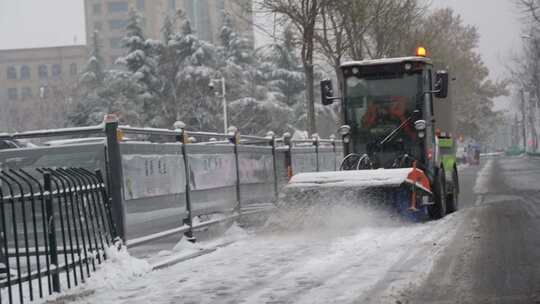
point(103, 92)
point(236, 61)
point(280, 69)
point(142, 61)
point(188, 68)
point(90, 82)
point(277, 100)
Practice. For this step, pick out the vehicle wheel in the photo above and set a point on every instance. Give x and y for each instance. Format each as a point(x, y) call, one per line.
point(452, 198)
point(438, 210)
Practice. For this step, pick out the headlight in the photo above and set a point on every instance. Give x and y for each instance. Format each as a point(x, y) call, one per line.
point(344, 130)
point(420, 125)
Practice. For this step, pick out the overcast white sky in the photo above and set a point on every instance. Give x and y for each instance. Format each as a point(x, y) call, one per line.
point(36, 23)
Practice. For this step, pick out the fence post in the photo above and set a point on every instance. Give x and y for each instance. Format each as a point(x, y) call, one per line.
point(287, 140)
point(114, 180)
point(4, 262)
point(182, 137)
point(333, 142)
point(272, 137)
point(315, 139)
point(51, 232)
point(234, 138)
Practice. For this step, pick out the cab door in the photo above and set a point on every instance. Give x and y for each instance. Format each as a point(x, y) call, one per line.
point(429, 116)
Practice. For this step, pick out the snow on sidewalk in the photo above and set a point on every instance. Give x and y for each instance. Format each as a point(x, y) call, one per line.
point(370, 261)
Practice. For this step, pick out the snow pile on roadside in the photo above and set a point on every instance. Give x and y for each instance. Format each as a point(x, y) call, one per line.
point(481, 185)
point(119, 267)
point(232, 234)
point(186, 246)
point(235, 233)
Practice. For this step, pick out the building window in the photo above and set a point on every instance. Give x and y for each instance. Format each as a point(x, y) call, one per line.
point(25, 72)
point(43, 71)
point(172, 5)
point(56, 70)
point(11, 73)
point(140, 5)
point(12, 94)
point(118, 7)
point(73, 69)
point(98, 26)
point(116, 43)
point(26, 92)
point(221, 5)
point(44, 92)
point(96, 9)
point(117, 24)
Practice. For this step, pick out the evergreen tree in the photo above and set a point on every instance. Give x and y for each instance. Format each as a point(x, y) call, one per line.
point(104, 92)
point(282, 71)
point(192, 64)
point(141, 61)
point(90, 82)
point(236, 61)
point(276, 104)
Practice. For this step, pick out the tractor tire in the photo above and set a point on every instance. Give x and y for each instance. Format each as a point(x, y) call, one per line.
point(438, 210)
point(452, 198)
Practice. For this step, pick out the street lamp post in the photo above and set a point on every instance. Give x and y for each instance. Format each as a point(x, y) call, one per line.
point(524, 126)
point(223, 100)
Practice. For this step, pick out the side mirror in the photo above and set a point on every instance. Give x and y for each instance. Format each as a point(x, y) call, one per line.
point(441, 84)
point(327, 92)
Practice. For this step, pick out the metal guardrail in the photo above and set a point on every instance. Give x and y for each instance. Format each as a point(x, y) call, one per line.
point(232, 143)
point(55, 227)
point(282, 156)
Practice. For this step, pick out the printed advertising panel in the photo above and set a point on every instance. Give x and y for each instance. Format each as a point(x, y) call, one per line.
point(208, 171)
point(256, 168)
point(152, 175)
point(327, 161)
point(304, 160)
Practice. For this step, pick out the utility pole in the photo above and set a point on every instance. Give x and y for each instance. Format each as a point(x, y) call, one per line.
point(223, 100)
point(523, 120)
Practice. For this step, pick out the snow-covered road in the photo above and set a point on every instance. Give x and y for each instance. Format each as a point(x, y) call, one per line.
point(369, 262)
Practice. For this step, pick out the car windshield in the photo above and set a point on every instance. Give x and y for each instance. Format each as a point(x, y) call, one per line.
point(376, 106)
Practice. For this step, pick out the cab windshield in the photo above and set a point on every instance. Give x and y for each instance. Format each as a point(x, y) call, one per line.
point(376, 106)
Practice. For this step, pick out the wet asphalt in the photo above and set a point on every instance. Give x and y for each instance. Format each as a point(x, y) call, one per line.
point(495, 255)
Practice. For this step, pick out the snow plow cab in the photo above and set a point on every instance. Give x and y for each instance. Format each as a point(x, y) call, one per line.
point(389, 137)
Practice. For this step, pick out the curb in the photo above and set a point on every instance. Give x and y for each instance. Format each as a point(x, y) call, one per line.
point(182, 258)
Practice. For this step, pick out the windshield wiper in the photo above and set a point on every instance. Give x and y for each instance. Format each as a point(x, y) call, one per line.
point(390, 136)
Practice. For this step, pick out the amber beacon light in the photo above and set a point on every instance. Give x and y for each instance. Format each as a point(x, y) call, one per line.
point(421, 51)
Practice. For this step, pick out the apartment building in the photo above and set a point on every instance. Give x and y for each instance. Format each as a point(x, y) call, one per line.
point(110, 17)
point(35, 81)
